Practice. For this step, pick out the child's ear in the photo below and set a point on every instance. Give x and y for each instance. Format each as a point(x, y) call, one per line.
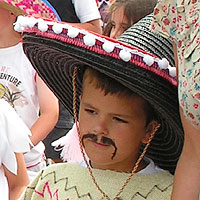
point(13, 17)
point(80, 97)
point(150, 129)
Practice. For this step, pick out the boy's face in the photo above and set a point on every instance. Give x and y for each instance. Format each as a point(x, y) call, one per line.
point(112, 128)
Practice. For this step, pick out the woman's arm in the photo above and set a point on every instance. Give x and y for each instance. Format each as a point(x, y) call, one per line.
point(187, 175)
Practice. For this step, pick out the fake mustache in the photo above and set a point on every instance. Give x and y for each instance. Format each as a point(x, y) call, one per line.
point(104, 140)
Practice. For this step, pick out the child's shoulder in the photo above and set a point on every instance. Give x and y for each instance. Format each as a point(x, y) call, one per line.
point(62, 167)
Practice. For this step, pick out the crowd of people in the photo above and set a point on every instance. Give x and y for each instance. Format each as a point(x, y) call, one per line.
point(108, 91)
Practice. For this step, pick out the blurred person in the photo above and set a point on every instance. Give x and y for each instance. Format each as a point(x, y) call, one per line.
point(20, 85)
point(122, 14)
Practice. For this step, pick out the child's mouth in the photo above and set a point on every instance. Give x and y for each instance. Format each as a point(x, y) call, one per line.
point(100, 144)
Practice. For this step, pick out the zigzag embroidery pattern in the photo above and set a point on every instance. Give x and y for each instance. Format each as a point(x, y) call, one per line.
point(46, 187)
point(55, 194)
point(153, 188)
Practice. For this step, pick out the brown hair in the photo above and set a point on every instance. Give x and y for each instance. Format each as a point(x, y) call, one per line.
point(134, 10)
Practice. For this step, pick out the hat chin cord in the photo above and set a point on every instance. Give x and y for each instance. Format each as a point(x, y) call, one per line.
point(82, 151)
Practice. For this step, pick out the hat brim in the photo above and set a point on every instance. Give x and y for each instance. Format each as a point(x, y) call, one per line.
point(55, 60)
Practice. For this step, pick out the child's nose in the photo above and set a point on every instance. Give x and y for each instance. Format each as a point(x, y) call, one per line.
point(115, 34)
point(101, 126)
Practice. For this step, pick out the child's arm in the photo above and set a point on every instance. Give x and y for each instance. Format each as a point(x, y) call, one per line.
point(17, 183)
point(49, 111)
point(187, 176)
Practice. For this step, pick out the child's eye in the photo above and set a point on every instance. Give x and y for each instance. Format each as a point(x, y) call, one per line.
point(90, 111)
point(119, 120)
point(124, 27)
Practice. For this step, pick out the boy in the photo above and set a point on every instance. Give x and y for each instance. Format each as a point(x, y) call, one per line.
point(19, 83)
point(128, 109)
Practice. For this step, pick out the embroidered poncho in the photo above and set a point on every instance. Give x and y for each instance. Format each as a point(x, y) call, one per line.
point(73, 182)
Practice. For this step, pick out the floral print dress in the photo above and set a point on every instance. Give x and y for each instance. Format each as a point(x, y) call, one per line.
point(179, 20)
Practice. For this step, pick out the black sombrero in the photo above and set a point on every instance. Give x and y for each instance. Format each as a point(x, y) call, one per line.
point(54, 49)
